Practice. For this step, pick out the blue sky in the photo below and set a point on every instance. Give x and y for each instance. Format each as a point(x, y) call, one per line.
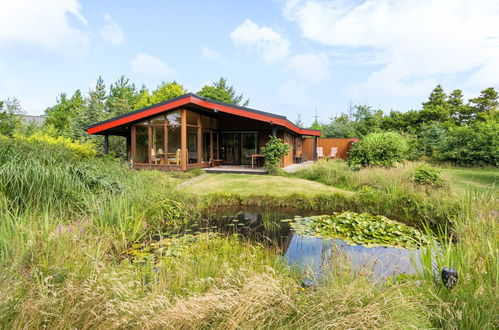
point(288, 57)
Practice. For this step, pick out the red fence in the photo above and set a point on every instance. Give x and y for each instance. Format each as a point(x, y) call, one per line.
point(343, 146)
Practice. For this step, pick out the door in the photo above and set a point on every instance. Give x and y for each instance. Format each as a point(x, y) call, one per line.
point(237, 148)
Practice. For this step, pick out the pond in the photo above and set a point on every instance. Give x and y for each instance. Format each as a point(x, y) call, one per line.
point(311, 255)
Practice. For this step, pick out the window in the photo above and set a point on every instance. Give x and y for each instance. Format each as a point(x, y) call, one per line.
point(141, 144)
point(174, 117)
point(192, 118)
point(174, 144)
point(192, 145)
point(159, 120)
point(158, 145)
point(205, 122)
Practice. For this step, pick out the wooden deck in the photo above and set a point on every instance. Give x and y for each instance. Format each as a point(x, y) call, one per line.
point(236, 169)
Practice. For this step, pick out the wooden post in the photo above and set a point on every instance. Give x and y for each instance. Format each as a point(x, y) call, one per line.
point(183, 143)
point(315, 147)
point(200, 140)
point(106, 144)
point(274, 131)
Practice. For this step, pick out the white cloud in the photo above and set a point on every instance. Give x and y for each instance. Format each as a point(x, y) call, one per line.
point(311, 67)
point(294, 94)
point(209, 53)
point(44, 24)
point(415, 40)
point(111, 32)
point(264, 41)
point(149, 66)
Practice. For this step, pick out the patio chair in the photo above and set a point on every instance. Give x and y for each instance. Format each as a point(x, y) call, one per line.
point(174, 157)
point(334, 151)
point(320, 152)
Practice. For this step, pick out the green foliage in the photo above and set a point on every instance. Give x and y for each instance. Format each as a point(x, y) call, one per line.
point(78, 149)
point(428, 175)
point(379, 149)
point(64, 114)
point(221, 91)
point(273, 151)
point(10, 119)
point(362, 229)
point(476, 144)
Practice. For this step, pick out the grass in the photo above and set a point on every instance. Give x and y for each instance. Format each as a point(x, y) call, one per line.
point(463, 179)
point(246, 184)
point(66, 223)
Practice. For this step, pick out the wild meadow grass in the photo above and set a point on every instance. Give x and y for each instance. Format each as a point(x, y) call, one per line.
point(66, 223)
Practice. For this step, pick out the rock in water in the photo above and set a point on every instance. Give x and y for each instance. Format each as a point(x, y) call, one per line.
point(449, 277)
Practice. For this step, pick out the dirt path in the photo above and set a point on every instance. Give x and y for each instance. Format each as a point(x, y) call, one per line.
point(193, 180)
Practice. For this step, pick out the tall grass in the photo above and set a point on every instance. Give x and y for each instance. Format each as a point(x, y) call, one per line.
point(473, 250)
point(66, 223)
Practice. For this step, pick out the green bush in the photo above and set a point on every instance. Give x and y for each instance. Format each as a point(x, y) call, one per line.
point(379, 149)
point(476, 144)
point(427, 175)
point(273, 152)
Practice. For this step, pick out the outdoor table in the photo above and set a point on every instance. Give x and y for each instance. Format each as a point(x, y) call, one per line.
point(253, 156)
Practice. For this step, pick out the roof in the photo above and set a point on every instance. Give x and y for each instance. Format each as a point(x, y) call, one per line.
point(32, 118)
point(191, 98)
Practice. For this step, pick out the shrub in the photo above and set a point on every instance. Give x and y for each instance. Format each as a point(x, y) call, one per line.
point(476, 144)
point(273, 152)
point(379, 149)
point(427, 175)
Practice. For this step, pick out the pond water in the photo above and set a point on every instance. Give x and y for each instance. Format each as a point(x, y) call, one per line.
point(311, 255)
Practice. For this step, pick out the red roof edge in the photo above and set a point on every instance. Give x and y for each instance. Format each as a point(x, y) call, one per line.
point(192, 99)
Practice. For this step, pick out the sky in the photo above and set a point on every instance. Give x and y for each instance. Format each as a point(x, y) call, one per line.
point(288, 57)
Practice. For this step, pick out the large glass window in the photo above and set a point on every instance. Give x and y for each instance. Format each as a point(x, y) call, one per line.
point(141, 144)
point(248, 147)
point(174, 144)
point(206, 122)
point(192, 145)
point(158, 145)
point(206, 145)
point(192, 118)
point(174, 117)
point(160, 120)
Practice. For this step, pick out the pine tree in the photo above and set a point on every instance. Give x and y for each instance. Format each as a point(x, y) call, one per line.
point(221, 91)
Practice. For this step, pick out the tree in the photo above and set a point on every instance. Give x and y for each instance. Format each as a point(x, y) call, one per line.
point(10, 119)
point(299, 121)
point(462, 113)
point(436, 108)
point(487, 101)
point(62, 115)
point(167, 91)
point(122, 98)
point(339, 127)
point(221, 91)
point(94, 110)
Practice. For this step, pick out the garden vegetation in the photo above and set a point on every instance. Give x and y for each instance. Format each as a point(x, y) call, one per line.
point(87, 242)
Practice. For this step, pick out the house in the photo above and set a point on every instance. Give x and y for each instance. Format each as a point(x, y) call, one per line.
point(191, 131)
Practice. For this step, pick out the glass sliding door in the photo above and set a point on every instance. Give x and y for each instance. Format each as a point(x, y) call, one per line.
point(237, 148)
point(248, 147)
point(206, 145)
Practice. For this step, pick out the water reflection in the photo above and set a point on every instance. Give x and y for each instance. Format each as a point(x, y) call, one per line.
point(311, 255)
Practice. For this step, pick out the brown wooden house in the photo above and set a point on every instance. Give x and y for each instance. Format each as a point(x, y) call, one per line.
point(191, 131)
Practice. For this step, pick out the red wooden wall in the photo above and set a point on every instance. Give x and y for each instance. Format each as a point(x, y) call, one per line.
point(343, 146)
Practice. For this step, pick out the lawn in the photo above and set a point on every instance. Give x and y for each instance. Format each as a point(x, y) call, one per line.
point(246, 184)
point(463, 179)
